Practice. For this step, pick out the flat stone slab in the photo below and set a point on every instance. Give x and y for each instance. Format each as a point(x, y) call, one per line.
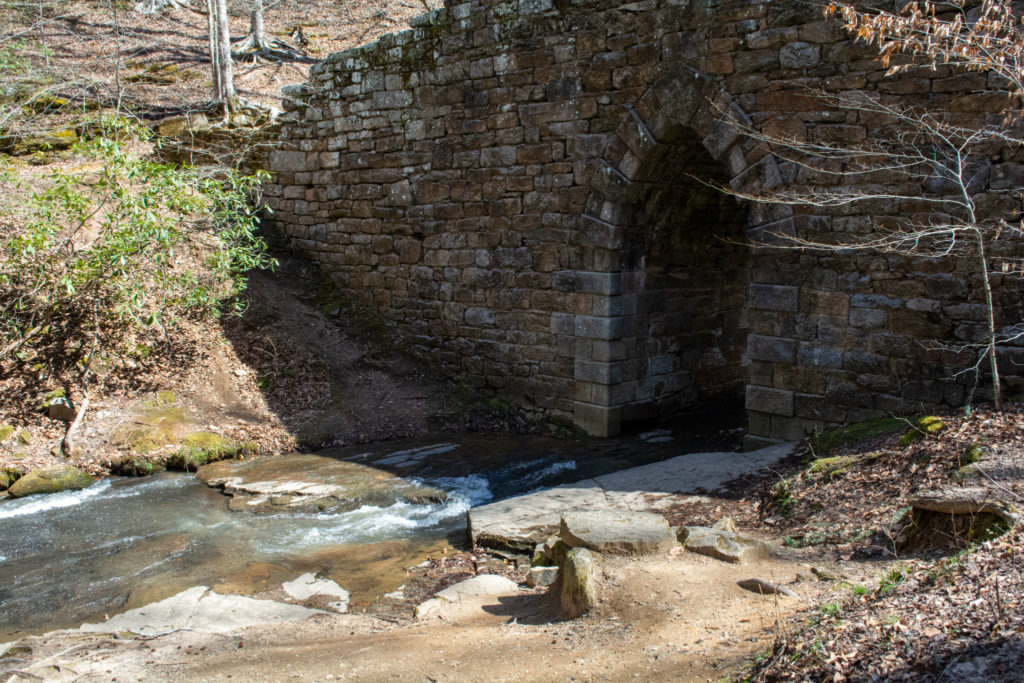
point(308, 585)
point(720, 544)
point(200, 609)
point(312, 482)
point(469, 593)
point(524, 521)
point(617, 532)
point(965, 501)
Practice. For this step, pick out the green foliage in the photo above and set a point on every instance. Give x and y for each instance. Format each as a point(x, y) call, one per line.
point(889, 582)
point(131, 247)
point(782, 497)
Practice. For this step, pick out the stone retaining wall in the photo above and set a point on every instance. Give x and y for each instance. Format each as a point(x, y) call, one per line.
point(510, 182)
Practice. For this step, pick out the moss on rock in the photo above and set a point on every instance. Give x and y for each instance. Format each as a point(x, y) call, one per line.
point(838, 465)
point(51, 480)
point(922, 427)
point(136, 466)
point(201, 448)
point(830, 440)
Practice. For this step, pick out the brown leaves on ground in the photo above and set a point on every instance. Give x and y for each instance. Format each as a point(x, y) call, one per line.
point(960, 618)
point(955, 618)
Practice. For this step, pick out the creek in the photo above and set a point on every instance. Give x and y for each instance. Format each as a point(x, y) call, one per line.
point(78, 556)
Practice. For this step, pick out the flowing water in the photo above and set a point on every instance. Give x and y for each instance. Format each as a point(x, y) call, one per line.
point(76, 556)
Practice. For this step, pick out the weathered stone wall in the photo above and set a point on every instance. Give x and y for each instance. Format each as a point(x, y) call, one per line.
point(511, 182)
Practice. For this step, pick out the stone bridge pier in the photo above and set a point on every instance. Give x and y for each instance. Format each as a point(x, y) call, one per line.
point(528, 189)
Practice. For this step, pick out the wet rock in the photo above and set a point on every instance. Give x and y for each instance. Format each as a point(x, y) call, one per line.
point(578, 589)
point(135, 466)
point(541, 576)
point(617, 532)
point(312, 483)
point(764, 587)
point(200, 609)
point(51, 480)
point(719, 543)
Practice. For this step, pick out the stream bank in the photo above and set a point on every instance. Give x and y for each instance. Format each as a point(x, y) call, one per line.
point(121, 543)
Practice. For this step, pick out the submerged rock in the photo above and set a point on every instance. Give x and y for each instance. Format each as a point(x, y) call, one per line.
point(617, 532)
point(579, 582)
point(51, 480)
point(313, 483)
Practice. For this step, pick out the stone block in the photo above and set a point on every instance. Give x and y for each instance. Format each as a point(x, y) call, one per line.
point(773, 297)
point(822, 356)
point(768, 400)
point(597, 420)
point(775, 349)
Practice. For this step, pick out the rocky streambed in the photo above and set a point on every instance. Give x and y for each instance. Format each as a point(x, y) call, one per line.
point(358, 516)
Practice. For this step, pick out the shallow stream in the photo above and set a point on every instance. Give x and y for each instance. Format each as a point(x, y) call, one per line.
point(77, 556)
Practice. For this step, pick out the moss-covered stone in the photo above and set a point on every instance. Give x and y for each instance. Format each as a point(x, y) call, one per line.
point(6, 432)
point(838, 465)
point(24, 438)
point(922, 427)
point(43, 142)
point(158, 426)
point(579, 582)
point(201, 448)
point(136, 466)
point(830, 440)
point(51, 480)
point(972, 454)
point(8, 475)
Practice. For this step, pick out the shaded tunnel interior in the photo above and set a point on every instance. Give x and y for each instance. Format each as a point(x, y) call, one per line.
point(685, 247)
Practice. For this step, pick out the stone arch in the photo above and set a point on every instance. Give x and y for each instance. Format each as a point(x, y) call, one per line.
point(664, 322)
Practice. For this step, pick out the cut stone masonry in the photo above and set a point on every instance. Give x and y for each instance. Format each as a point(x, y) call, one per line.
point(525, 188)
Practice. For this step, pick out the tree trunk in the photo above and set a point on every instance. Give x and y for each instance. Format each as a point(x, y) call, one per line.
point(220, 57)
point(997, 391)
point(256, 32)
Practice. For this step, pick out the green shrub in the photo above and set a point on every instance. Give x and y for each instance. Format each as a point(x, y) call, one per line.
point(134, 247)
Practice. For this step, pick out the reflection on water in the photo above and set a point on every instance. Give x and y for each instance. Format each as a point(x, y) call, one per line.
point(75, 556)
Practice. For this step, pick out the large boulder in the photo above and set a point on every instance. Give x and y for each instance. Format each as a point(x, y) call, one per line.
point(579, 580)
point(51, 480)
point(617, 532)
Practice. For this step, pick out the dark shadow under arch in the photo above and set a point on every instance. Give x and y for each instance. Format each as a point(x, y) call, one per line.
point(672, 244)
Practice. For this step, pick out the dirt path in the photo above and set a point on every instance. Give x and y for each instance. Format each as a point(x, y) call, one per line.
point(680, 617)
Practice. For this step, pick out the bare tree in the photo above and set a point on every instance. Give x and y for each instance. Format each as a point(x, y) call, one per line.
point(916, 158)
point(158, 6)
point(256, 46)
point(220, 57)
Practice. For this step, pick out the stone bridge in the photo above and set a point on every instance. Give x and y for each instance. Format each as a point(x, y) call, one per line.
point(525, 188)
